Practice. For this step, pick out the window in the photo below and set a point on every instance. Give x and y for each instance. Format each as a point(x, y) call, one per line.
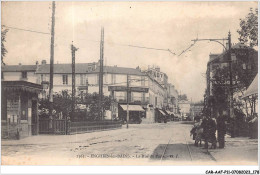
point(2, 75)
point(24, 74)
point(65, 79)
point(82, 79)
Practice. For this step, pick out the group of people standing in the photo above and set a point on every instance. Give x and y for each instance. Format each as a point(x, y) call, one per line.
point(206, 128)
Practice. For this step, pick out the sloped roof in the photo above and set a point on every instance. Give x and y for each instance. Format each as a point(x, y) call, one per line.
point(67, 69)
point(64, 68)
point(83, 68)
point(220, 57)
point(18, 68)
point(253, 88)
point(21, 86)
point(121, 70)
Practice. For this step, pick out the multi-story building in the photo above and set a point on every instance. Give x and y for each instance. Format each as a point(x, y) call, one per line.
point(184, 107)
point(196, 109)
point(172, 98)
point(245, 65)
point(145, 93)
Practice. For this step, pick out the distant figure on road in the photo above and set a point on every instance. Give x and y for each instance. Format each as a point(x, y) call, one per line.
point(221, 127)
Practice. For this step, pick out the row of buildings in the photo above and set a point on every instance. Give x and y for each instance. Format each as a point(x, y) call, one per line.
point(149, 90)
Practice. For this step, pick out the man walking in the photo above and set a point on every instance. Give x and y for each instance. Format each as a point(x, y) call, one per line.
point(206, 132)
point(221, 127)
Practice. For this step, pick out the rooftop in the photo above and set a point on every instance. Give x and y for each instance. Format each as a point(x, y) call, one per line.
point(80, 68)
point(220, 57)
point(18, 68)
point(21, 86)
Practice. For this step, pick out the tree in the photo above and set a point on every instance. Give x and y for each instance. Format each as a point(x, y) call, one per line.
point(244, 70)
point(3, 49)
point(62, 103)
point(183, 97)
point(248, 32)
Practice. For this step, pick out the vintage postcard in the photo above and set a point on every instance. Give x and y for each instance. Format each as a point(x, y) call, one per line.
point(129, 83)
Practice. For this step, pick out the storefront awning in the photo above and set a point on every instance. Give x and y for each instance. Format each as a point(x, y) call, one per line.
point(162, 112)
point(169, 112)
point(132, 107)
point(253, 88)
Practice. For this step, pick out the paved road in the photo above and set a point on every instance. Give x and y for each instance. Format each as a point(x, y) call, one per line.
point(157, 144)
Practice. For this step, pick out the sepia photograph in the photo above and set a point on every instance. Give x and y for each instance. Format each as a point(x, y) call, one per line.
point(129, 83)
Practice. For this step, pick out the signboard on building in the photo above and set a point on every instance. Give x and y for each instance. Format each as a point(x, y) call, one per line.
point(124, 88)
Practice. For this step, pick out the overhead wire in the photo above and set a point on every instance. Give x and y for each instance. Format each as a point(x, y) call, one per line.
point(27, 30)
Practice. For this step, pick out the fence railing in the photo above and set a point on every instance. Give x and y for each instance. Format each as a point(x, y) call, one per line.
point(62, 126)
point(53, 126)
point(86, 126)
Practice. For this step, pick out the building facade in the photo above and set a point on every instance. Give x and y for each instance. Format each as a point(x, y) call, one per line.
point(148, 89)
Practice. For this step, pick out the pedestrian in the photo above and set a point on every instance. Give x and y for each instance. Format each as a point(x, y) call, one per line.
point(212, 132)
point(205, 126)
point(254, 126)
point(193, 130)
point(199, 133)
point(249, 118)
point(221, 128)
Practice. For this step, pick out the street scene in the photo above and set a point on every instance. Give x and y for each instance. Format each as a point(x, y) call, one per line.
point(161, 144)
point(129, 83)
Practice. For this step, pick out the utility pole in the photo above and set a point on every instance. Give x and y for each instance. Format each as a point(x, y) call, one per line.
point(51, 64)
point(231, 88)
point(73, 50)
point(86, 86)
point(231, 102)
point(127, 101)
point(100, 104)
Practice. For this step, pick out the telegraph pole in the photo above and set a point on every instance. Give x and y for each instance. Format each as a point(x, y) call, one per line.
point(127, 101)
point(51, 63)
point(73, 50)
point(100, 104)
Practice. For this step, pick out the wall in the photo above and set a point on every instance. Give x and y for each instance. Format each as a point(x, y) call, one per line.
point(17, 76)
point(184, 108)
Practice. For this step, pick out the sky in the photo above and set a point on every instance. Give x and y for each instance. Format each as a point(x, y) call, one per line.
point(160, 25)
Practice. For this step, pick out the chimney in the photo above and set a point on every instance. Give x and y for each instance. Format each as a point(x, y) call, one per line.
point(44, 62)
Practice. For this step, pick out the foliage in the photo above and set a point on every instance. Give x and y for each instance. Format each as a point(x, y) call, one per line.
point(3, 49)
point(244, 70)
point(183, 97)
point(62, 102)
point(248, 32)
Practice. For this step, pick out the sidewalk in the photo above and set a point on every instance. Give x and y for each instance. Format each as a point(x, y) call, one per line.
point(240, 149)
point(61, 139)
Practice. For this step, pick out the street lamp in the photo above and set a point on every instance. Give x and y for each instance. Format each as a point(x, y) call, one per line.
point(231, 114)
